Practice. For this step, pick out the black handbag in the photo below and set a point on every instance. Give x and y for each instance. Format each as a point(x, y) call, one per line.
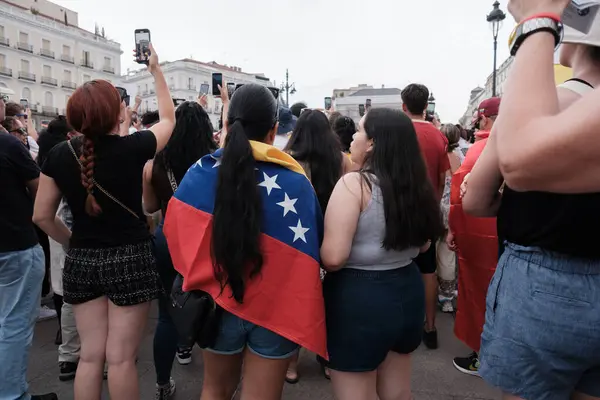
point(196, 316)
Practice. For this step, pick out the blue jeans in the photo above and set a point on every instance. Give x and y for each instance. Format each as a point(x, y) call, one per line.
point(21, 275)
point(540, 339)
point(165, 335)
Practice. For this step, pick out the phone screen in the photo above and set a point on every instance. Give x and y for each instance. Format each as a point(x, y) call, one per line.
point(368, 103)
point(328, 103)
point(142, 46)
point(204, 88)
point(361, 109)
point(217, 80)
point(24, 104)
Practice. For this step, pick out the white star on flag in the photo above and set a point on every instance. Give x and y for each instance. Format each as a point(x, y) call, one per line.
point(270, 183)
point(217, 161)
point(299, 232)
point(288, 205)
point(199, 162)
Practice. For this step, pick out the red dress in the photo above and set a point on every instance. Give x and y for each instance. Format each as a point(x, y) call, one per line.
point(477, 243)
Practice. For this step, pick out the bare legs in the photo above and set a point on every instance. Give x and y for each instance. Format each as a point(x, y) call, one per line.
point(111, 333)
point(391, 381)
point(263, 378)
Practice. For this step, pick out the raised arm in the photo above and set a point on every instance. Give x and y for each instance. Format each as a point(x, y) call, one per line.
point(538, 147)
point(166, 109)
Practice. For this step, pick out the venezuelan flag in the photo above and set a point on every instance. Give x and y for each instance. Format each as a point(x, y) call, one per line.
point(286, 297)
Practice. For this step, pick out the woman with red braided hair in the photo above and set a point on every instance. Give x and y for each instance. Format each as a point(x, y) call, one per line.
point(110, 273)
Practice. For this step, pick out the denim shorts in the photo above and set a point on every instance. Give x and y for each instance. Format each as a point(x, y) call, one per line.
point(541, 339)
point(371, 313)
point(235, 334)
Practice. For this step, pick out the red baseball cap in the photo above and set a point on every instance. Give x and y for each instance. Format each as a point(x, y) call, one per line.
point(489, 107)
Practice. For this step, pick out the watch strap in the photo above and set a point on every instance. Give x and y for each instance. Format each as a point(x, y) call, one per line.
point(531, 26)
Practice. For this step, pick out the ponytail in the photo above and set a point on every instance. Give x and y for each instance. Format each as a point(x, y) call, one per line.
point(237, 215)
point(87, 176)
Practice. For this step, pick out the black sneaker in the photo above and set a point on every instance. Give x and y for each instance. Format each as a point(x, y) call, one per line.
point(430, 338)
point(467, 365)
point(67, 370)
point(165, 392)
point(47, 396)
point(184, 355)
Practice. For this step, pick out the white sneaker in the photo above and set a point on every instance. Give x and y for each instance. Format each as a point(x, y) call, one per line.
point(46, 313)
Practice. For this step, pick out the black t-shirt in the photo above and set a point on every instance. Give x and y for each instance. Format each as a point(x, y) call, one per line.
point(118, 166)
point(564, 223)
point(17, 232)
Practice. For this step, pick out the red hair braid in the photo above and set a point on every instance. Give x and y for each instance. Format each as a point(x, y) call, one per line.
point(87, 176)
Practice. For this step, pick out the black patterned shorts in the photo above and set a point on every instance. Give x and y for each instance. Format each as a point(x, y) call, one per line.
point(126, 274)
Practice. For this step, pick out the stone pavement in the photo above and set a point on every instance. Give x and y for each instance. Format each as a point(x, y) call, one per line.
point(434, 377)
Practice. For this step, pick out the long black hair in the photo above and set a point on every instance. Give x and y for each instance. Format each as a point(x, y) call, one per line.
point(237, 215)
point(191, 140)
point(345, 128)
point(412, 212)
point(314, 144)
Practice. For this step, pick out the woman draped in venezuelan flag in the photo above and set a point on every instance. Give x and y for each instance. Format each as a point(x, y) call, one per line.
point(245, 226)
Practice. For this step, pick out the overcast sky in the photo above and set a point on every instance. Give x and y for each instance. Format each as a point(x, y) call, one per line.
point(326, 44)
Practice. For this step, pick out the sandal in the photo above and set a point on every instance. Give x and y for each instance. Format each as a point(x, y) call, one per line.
point(289, 377)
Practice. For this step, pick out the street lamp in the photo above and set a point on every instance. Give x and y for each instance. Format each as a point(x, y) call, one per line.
point(288, 88)
point(431, 104)
point(495, 19)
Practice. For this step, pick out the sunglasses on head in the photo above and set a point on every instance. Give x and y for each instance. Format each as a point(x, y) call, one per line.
point(24, 116)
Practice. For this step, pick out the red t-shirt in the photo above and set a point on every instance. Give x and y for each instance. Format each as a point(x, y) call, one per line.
point(434, 146)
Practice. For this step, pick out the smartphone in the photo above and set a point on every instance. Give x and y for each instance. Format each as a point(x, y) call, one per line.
point(361, 110)
point(368, 104)
point(24, 104)
point(328, 103)
point(217, 80)
point(142, 46)
point(230, 89)
point(204, 88)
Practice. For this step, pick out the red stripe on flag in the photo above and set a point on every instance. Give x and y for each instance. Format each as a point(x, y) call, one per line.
point(286, 297)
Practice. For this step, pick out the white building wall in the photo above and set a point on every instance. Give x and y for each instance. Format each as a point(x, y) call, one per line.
point(184, 78)
point(42, 59)
point(349, 106)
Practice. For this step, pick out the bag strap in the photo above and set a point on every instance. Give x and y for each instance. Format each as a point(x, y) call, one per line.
point(172, 180)
point(577, 86)
point(96, 184)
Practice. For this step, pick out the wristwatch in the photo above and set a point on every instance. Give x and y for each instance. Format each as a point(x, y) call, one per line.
point(531, 26)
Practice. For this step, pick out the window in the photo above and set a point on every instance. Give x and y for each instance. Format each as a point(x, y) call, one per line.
point(66, 50)
point(48, 99)
point(171, 82)
point(67, 76)
point(23, 37)
point(107, 62)
point(146, 88)
point(145, 105)
point(139, 89)
point(67, 97)
point(47, 71)
point(190, 83)
point(24, 65)
point(1, 31)
point(26, 94)
point(86, 78)
point(45, 44)
point(85, 58)
point(2, 60)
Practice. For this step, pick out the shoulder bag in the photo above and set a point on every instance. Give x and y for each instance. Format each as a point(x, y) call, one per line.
point(196, 315)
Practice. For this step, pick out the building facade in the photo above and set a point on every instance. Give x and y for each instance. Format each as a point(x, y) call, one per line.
point(348, 101)
point(45, 56)
point(184, 78)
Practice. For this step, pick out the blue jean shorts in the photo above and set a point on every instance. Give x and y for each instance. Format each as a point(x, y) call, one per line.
point(235, 334)
point(541, 339)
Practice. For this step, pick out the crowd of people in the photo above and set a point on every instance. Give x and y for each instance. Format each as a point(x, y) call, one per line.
point(300, 228)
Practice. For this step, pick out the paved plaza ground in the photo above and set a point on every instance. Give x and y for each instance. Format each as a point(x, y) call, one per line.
point(434, 377)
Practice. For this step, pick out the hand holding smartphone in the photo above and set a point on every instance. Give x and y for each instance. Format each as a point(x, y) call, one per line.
point(327, 103)
point(217, 80)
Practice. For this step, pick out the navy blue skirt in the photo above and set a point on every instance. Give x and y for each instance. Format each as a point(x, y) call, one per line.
point(370, 313)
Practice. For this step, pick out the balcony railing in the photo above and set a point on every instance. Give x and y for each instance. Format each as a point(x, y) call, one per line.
point(5, 71)
point(49, 111)
point(87, 64)
point(67, 58)
point(33, 107)
point(49, 81)
point(46, 53)
point(144, 92)
point(28, 76)
point(4, 41)
point(151, 91)
point(69, 85)
point(108, 69)
point(25, 47)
